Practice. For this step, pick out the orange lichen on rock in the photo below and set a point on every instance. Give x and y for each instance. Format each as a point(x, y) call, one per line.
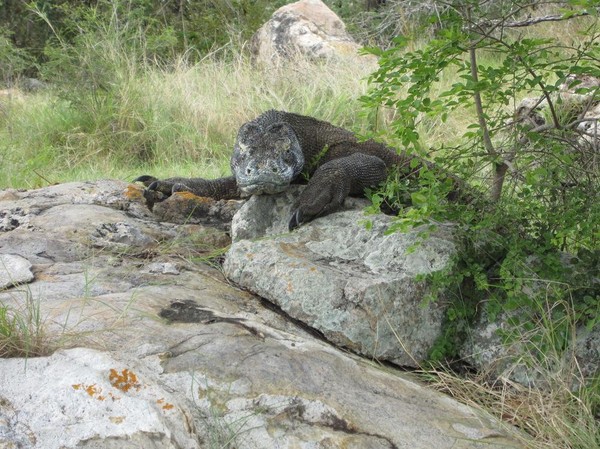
point(165, 405)
point(91, 390)
point(124, 381)
point(134, 192)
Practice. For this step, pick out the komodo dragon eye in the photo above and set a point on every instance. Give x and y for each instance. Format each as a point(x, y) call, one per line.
point(242, 147)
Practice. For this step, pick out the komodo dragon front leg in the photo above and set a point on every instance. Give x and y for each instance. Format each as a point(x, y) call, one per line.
point(333, 181)
point(220, 189)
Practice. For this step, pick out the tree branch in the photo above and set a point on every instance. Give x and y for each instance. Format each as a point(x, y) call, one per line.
point(545, 93)
point(487, 141)
point(500, 167)
point(529, 21)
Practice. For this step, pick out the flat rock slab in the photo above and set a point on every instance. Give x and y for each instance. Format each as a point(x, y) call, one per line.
point(357, 285)
point(79, 396)
point(156, 350)
point(14, 270)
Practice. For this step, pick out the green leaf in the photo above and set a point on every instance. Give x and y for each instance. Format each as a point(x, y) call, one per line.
point(418, 198)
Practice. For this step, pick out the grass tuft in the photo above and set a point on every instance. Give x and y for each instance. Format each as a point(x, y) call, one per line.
point(555, 418)
point(561, 410)
point(22, 329)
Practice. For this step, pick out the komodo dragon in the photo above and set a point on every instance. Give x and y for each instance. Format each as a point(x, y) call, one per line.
point(279, 148)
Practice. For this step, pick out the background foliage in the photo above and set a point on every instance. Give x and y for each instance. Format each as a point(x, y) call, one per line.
point(170, 27)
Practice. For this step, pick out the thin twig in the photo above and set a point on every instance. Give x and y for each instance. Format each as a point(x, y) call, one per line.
point(44, 178)
point(530, 20)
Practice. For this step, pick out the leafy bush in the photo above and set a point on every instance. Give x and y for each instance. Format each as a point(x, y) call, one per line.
point(169, 28)
point(535, 189)
point(529, 227)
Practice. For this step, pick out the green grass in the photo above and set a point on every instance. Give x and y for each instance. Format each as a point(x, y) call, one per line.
point(22, 328)
point(178, 120)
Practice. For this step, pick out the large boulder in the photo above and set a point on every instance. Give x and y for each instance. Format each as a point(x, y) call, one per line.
point(156, 350)
point(357, 285)
point(308, 28)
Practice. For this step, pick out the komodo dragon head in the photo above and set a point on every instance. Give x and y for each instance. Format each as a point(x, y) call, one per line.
point(266, 159)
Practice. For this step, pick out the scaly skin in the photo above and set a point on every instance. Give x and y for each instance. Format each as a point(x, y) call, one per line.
point(279, 148)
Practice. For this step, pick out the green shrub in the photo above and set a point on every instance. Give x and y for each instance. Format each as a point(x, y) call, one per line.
point(534, 192)
point(162, 30)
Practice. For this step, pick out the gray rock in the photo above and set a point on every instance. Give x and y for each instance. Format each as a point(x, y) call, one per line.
point(359, 287)
point(520, 359)
point(540, 355)
point(14, 270)
point(32, 84)
point(187, 208)
point(263, 215)
point(66, 222)
point(163, 267)
point(306, 27)
point(589, 127)
point(95, 399)
point(587, 350)
point(148, 359)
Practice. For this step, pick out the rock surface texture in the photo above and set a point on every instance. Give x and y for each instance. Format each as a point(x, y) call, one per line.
point(308, 28)
point(157, 350)
point(359, 287)
point(14, 270)
point(488, 352)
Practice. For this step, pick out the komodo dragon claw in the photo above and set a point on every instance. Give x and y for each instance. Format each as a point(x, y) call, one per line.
point(296, 220)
